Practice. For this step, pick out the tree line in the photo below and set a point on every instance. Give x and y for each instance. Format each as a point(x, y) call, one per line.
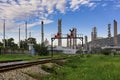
point(40, 49)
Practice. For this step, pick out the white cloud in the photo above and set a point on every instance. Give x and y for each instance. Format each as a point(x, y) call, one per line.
point(28, 9)
point(16, 13)
point(75, 4)
point(46, 21)
point(23, 10)
point(118, 6)
point(61, 6)
point(105, 4)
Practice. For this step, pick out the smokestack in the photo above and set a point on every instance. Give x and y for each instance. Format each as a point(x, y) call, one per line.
point(95, 33)
point(109, 31)
point(109, 34)
point(91, 36)
point(86, 41)
point(74, 39)
point(115, 32)
point(26, 30)
point(42, 32)
point(71, 35)
point(4, 34)
point(19, 36)
point(59, 31)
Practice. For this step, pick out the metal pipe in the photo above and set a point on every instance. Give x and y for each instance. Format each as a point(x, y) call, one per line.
point(19, 36)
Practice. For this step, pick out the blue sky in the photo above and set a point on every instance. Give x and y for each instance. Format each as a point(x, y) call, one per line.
point(82, 14)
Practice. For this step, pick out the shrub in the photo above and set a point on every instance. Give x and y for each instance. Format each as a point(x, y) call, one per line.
point(79, 51)
point(88, 55)
point(1, 47)
point(60, 63)
point(106, 51)
point(49, 69)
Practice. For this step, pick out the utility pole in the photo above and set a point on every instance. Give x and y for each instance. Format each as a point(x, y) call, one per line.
point(30, 34)
point(19, 36)
point(26, 30)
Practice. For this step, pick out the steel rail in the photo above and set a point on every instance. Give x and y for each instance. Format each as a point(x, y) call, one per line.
point(6, 68)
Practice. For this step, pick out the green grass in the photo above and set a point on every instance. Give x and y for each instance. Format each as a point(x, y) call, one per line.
point(19, 57)
point(92, 67)
point(27, 56)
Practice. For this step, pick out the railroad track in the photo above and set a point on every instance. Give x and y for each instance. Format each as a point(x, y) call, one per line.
point(4, 68)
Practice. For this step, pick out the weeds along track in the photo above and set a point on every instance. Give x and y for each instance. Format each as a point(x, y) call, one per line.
point(7, 61)
point(8, 67)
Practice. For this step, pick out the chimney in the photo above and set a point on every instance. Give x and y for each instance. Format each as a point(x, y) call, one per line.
point(75, 35)
point(95, 33)
point(86, 41)
point(42, 32)
point(115, 33)
point(92, 37)
point(109, 34)
point(60, 31)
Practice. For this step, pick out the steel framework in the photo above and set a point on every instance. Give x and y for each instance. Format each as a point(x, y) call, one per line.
point(68, 37)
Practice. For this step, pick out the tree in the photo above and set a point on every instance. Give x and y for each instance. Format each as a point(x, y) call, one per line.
point(41, 49)
point(1, 44)
point(23, 44)
point(10, 43)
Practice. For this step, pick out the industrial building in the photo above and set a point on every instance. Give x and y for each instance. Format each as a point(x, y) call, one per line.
point(71, 40)
point(108, 42)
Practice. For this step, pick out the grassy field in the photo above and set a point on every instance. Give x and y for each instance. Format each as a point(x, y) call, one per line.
point(87, 67)
point(26, 56)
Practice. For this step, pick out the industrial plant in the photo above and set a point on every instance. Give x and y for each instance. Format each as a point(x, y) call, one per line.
point(109, 42)
point(72, 46)
point(71, 40)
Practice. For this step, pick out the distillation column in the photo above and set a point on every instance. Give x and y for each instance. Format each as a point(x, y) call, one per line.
point(115, 33)
point(109, 34)
point(42, 32)
point(60, 32)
